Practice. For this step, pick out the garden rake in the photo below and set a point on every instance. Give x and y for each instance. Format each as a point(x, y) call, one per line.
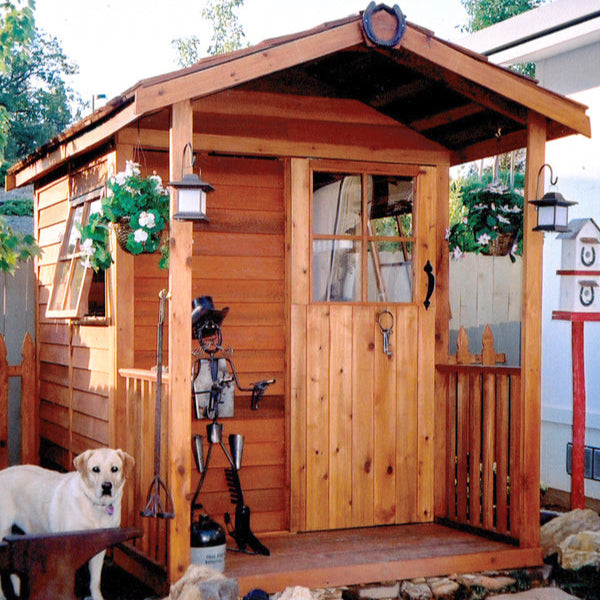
point(154, 506)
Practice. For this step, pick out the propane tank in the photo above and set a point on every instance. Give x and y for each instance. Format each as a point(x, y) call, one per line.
point(207, 543)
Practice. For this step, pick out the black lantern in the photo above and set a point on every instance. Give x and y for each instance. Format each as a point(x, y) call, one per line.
point(552, 208)
point(191, 196)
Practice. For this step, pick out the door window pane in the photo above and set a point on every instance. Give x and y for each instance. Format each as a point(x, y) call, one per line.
point(391, 206)
point(390, 272)
point(337, 204)
point(336, 270)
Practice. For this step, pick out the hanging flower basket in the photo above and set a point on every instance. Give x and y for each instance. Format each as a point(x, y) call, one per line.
point(138, 209)
point(123, 231)
point(491, 224)
point(500, 246)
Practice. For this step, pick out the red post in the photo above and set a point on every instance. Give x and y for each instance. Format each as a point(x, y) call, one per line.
point(578, 456)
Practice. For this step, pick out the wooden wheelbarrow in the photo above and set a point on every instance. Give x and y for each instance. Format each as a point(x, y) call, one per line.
point(46, 564)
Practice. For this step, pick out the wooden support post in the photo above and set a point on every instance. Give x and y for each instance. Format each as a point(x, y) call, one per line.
point(529, 486)
point(119, 279)
point(578, 456)
point(180, 351)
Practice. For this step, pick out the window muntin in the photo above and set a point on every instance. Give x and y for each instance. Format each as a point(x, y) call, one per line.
point(72, 280)
point(362, 237)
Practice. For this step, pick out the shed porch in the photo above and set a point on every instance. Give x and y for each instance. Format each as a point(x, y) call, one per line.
point(364, 555)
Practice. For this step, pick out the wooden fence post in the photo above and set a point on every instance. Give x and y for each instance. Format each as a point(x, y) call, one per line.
point(29, 410)
point(3, 405)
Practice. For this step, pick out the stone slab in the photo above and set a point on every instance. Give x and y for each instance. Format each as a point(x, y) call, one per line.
point(549, 593)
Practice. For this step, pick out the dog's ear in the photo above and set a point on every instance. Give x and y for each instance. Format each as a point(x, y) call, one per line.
point(127, 460)
point(80, 461)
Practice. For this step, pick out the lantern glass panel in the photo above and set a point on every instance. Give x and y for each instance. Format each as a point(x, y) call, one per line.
point(192, 201)
point(545, 216)
point(562, 215)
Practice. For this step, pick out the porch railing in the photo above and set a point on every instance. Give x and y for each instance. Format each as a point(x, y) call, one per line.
point(139, 442)
point(483, 433)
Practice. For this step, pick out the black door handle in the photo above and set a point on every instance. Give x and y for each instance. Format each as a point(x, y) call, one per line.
point(430, 284)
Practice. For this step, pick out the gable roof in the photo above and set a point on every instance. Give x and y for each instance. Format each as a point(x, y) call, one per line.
point(448, 94)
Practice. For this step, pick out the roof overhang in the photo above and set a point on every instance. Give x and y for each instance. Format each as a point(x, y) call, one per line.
point(448, 94)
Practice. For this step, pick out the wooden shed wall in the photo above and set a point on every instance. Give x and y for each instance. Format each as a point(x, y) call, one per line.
point(74, 360)
point(238, 259)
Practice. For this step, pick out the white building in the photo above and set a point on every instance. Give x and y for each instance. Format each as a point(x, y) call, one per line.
point(562, 38)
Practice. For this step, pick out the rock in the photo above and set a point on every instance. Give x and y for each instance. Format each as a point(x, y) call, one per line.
point(443, 588)
point(329, 593)
point(493, 582)
point(549, 593)
point(415, 590)
point(580, 550)
point(203, 583)
point(557, 530)
point(296, 593)
point(380, 591)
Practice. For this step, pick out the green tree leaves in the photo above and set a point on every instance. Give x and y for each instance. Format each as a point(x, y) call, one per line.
point(228, 34)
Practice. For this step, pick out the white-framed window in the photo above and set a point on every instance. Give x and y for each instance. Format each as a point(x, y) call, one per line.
point(77, 291)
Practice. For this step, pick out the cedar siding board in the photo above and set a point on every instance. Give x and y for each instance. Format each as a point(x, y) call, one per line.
point(348, 437)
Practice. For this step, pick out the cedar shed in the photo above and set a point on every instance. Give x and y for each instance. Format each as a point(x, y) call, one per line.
point(359, 464)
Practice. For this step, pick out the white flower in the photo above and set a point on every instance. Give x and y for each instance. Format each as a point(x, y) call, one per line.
point(140, 236)
point(147, 219)
point(515, 248)
point(493, 206)
point(158, 182)
point(120, 178)
point(456, 253)
point(87, 247)
point(447, 236)
point(132, 168)
point(86, 262)
point(484, 239)
point(465, 220)
point(503, 219)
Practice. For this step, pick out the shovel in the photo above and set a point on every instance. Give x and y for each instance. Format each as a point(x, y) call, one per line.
point(154, 506)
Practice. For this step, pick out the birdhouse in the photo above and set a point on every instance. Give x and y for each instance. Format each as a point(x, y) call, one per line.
point(580, 267)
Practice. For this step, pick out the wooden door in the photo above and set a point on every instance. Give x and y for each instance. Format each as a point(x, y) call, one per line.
point(361, 420)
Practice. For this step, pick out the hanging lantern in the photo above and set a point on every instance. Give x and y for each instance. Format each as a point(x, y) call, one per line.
point(552, 208)
point(191, 196)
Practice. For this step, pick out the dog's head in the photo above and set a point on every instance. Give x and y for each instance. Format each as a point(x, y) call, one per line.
point(103, 472)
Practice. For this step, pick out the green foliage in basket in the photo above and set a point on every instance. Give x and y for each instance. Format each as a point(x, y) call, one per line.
point(487, 212)
point(142, 204)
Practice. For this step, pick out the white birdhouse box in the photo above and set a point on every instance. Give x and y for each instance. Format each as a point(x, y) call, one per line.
point(580, 267)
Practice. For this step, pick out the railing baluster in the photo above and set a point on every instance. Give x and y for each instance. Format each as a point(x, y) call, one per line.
point(451, 447)
point(475, 456)
point(501, 452)
point(140, 388)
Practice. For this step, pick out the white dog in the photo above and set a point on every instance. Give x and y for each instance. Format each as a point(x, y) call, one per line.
point(42, 501)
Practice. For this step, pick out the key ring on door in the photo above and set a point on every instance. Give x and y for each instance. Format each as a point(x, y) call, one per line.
point(385, 318)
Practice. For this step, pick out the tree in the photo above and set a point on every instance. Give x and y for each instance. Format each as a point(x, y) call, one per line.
point(35, 93)
point(16, 30)
point(483, 13)
point(228, 34)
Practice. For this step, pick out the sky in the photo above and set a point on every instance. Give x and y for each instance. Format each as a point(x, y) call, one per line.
point(116, 43)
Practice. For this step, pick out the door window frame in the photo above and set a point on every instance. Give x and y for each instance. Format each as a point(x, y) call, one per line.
point(364, 238)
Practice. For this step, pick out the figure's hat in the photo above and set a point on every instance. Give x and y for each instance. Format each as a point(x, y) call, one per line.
point(206, 319)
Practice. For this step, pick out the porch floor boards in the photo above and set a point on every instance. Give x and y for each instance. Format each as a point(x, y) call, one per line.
point(374, 554)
